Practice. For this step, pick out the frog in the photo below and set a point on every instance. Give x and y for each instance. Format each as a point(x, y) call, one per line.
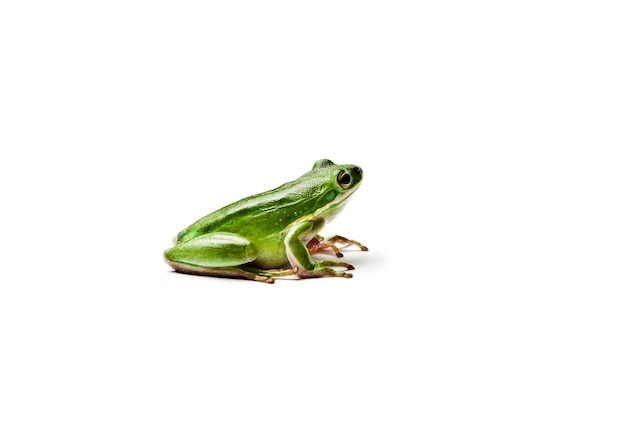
point(275, 233)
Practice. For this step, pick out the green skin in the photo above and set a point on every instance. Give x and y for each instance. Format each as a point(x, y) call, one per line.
point(273, 233)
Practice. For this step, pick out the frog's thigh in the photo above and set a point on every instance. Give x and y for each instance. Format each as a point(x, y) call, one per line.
point(219, 249)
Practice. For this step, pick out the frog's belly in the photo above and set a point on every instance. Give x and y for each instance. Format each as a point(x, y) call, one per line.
point(270, 254)
point(272, 260)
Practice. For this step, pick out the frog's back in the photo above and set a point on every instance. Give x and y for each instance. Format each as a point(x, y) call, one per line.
point(260, 218)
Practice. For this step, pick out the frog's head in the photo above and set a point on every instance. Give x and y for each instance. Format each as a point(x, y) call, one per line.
point(342, 178)
point(339, 183)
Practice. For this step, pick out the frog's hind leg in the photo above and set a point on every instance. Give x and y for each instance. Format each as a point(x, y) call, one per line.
point(228, 272)
point(215, 254)
point(220, 254)
point(260, 275)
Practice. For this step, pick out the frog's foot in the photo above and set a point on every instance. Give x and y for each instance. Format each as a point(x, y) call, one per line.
point(319, 244)
point(268, 273)
point(324, 268)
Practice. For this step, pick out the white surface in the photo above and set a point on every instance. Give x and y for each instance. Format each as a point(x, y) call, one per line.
point(492, 139)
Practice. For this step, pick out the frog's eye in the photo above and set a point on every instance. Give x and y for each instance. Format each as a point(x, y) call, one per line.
point(344, 179)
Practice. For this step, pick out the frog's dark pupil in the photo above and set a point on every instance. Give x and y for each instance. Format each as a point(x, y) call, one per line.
point(345, 179)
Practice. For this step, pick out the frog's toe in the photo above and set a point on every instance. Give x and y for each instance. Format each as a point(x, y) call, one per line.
point(325, 268)
point(330, 263)
point(265, 279)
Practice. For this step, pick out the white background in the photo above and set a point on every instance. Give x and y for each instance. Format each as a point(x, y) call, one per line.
point(491, 135)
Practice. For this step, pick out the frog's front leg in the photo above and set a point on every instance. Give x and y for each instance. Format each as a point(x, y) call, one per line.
point(320, 244)
point(300, 259)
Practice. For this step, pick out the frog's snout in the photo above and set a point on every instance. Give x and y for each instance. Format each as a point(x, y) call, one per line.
point(357, 174)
